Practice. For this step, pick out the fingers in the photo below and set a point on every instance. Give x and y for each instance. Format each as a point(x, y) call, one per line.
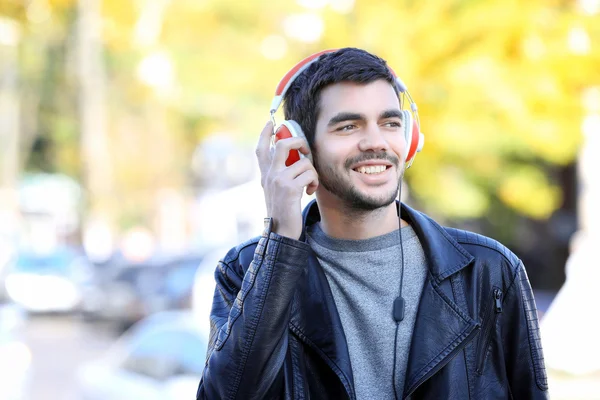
point(301, 174)
point(263, 148)
point(310, 180)
point(266, 157)
point(293, 179)
point(305, 149)
point(298, 168)
point(283, 147)
point(312, 187)
point(297, 173)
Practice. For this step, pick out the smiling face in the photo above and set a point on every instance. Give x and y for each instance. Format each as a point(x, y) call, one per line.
point(359, 148)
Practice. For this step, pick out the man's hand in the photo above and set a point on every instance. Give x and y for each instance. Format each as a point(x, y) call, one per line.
point(283, 186)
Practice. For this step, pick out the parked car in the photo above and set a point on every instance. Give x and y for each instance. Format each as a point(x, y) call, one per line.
point(7, 254)
point(203, 290)
point(15, 355)
point(161, 357)
point(125, 292)
point(49, 281)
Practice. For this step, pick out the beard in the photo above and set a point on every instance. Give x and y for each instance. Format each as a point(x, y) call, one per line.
point(339, 184)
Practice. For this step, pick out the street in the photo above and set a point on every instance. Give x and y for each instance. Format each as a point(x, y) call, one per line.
point(59, 345)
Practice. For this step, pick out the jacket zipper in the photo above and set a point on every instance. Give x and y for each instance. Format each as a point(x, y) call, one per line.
point(488, 329)
point(450, 356)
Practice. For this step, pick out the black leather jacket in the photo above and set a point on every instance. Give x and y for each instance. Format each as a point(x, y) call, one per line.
point(276, 332)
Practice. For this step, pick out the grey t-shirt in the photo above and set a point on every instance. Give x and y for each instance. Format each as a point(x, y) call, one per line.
point(364, 276)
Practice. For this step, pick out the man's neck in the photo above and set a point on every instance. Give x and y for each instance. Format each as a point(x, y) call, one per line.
point(341, 223)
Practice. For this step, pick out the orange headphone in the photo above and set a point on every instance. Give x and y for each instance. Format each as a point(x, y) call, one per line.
point(290, 128)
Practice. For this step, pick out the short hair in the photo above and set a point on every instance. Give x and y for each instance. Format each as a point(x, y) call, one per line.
point(303, 98)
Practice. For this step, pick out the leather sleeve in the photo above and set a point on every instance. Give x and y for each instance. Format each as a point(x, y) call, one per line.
point(523, 354)
point(250, 318)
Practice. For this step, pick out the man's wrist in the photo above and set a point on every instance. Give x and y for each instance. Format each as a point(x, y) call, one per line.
point(271, 227)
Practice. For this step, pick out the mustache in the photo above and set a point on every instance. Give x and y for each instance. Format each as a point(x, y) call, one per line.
point(372, 156)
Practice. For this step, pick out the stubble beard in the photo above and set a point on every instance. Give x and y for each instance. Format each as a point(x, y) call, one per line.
point(339, 184)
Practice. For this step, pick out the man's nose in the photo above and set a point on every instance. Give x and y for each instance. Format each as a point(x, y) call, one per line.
point(373, 139)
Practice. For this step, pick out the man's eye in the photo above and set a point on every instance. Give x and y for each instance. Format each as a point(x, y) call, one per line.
point(393, 124)
point(346, 128)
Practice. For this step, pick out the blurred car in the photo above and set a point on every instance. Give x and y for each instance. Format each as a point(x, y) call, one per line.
point(47, 282)
point(125, 292)
point(15, 356)
point(7, 253)
point(161, 357)
point(203, 290)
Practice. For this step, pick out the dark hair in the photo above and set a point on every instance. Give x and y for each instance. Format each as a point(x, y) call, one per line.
point(302, 100)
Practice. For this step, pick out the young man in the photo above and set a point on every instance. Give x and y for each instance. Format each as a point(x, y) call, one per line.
point(338, 302)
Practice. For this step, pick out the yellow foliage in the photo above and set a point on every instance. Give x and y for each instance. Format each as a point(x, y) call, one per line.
point(452, 193)
point(62, 4)
point(527, 189)
point(496, 81)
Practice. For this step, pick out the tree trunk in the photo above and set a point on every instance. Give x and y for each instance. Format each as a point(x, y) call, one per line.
point(96, 159)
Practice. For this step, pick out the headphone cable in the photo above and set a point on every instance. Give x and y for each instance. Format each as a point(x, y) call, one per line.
point(398, 311)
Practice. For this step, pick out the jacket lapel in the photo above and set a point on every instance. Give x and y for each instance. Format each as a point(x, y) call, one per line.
point(316, 321)
point(441, 330)
point(442, 327)
point(314, 316)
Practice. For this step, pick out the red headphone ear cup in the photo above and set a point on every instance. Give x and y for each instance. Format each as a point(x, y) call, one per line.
point(411, 134)
point(282, 132)
point(406, 130)
point(295, 128)
point(289, 129)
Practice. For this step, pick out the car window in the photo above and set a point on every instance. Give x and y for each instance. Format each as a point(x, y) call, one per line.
point(180, 279)
point(149, 356)
point(148, 281)
point(191, 354)
point(160, 355)
point(58, 261)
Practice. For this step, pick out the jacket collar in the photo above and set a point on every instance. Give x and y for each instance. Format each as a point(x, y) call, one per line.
point(314, 316)
point(444, 255)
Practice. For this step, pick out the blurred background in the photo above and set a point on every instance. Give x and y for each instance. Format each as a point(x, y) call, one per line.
point(127, 132)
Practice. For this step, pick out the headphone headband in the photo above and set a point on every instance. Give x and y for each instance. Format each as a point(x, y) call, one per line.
point(287, 80)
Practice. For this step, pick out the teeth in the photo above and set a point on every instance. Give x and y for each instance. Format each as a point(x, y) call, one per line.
point(371, 169)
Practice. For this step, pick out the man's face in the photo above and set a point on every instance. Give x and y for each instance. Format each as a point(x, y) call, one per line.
point(359, 147)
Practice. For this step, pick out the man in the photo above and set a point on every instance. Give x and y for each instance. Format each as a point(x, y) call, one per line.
point(338, 302)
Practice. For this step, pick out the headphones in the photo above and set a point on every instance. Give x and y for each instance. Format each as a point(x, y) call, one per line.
point(290, 128)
